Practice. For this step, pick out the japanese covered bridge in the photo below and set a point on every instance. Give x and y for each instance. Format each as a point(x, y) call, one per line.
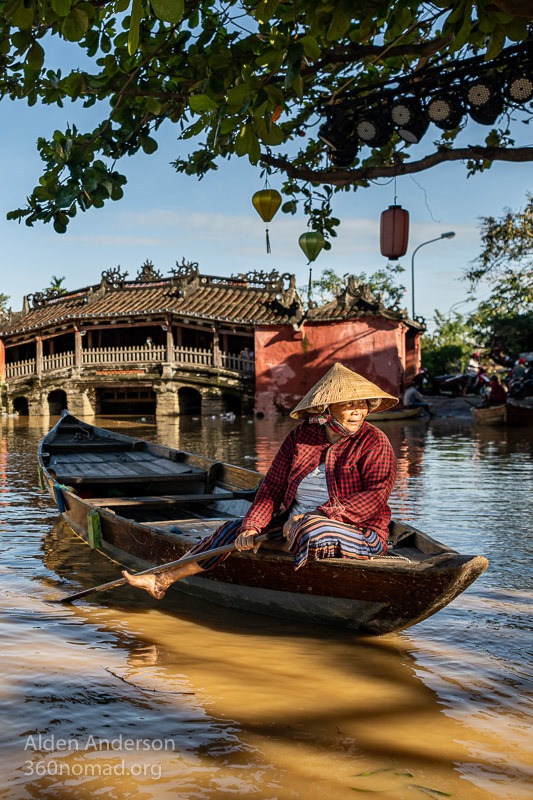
point(193, 343)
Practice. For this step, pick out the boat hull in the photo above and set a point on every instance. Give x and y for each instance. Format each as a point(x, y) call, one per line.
point(494, 415)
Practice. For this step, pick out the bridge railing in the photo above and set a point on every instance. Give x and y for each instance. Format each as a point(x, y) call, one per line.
point(144, 354)
point(19, 369)
point(57, 361)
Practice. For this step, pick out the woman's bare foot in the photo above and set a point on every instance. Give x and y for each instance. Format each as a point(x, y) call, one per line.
point(150, 583)
point(157, 585)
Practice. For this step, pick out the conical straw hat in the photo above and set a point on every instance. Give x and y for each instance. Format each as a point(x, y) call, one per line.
point(341, 385)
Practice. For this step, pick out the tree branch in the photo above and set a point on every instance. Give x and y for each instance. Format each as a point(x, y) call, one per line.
point(356, 52)
point(346, 177)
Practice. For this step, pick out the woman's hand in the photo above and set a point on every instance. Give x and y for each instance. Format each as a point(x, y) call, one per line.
point(289, 526)
point(246, 541)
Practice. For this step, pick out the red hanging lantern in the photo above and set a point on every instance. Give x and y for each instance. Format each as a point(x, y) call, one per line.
point(394, 232)
point(266, 202)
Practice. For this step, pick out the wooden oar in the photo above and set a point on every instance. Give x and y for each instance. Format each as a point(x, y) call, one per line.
point(103, 587)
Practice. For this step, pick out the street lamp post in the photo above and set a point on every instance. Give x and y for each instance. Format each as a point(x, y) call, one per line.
point(447, 235)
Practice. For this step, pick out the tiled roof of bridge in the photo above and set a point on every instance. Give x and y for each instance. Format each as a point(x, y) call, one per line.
point(237, 300)
point(252, 299)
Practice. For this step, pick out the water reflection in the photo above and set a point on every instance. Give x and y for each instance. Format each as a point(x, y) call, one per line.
point(262, 707)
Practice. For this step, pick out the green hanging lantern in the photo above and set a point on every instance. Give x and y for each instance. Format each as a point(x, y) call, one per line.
point(311, 243)
point(266, 202)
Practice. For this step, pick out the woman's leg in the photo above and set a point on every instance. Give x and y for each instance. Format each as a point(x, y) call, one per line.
point(318, 537)
point(156, 585)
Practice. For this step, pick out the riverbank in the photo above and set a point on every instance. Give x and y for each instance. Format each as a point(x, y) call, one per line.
point(455, 407)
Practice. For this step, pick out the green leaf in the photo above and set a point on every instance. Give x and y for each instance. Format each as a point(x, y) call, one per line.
point(202, 103)
point(516, 30)
point(311, 47)
point(35, 56)
point(265, 10)
point(148, 144)
point(22, 17)
point(497, 41)
point(135, 24)
point(294, 57)
point(154, 106)
point(75, 25)
point(238, 96)
point(340, 24)
point(271, 135)
point(60, 222)
point(61, 7)
point(168, 10)
point(248, 144)
point(196, 128)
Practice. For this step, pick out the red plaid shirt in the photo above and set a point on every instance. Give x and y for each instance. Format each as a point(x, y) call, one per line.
point(360, 473)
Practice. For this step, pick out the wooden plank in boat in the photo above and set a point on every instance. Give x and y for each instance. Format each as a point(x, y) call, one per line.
point(70, 473)
point(97, 447)
point(165, 500)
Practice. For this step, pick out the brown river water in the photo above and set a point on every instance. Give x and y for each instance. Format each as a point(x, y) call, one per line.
point(120, 696)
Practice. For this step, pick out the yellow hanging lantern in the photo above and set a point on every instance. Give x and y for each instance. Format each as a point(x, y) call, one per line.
point(266, 202)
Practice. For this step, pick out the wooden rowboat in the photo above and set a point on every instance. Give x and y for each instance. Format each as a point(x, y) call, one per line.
point(144, 504)
point(519, 412)
point(493, 415)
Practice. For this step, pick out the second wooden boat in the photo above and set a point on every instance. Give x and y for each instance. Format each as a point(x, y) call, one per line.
point(144, 504)
point(493, 415)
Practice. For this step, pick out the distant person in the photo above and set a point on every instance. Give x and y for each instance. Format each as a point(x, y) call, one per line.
point(247, 356)
point(497, 395)
point(413, 399)
point(519, 369)
point(421, 380)
point(472, 372)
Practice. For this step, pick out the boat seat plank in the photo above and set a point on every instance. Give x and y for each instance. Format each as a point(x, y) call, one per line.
point(158, 465)
point(165, 500)
point(74, 476)
point(97, 447)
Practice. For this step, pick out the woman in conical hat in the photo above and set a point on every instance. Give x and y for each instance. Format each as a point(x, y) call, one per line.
point(326, 492)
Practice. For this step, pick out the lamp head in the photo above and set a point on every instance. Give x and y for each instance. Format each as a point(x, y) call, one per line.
point(447, 235)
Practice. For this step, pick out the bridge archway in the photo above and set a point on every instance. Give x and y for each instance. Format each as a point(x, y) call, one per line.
point(232, 403)
point(125, 400)
point(57, 401)
point(190, 401)
point(21, 407)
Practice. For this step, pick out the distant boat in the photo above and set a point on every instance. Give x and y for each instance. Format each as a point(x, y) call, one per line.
point(515, 412)
point(519, 412)
point(144, 504)
point(492, 415)
point(396, 414)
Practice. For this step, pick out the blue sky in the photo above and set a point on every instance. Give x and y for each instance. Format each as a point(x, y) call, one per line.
point(165, 217)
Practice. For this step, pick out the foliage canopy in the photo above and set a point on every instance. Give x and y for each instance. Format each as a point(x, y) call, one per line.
point(239, 78)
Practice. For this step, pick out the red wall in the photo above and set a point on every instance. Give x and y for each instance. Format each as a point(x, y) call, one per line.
point(2, 360)
point(289, 362)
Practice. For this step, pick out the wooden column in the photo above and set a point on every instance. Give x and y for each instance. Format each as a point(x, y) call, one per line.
point(39, 356)
point(78, 346)
point(170, 344)
point(217, 360)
